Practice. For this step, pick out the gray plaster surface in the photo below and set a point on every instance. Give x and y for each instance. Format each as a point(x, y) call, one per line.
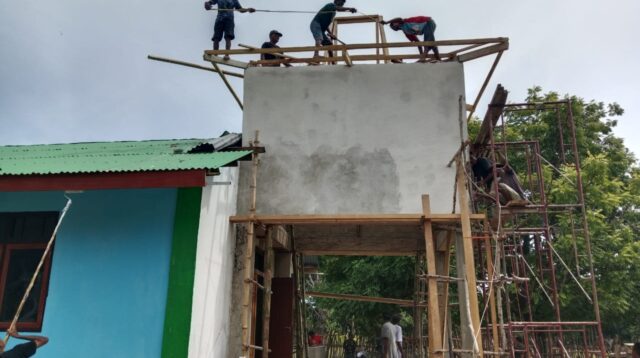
point(365, 139)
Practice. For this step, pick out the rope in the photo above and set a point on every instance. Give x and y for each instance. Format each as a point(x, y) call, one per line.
point(38, 268)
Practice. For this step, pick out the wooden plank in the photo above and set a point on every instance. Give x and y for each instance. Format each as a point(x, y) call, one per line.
point(467, 239)
point(221, 61)
point(192, 65)
point(465, 42)
point(434, 324)
point(226, 83)
point(377, 253)
point(392, 301)
point(502, 46)
point(351, 219)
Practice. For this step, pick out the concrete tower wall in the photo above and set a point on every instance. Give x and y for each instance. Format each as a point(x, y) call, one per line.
point(365, 139)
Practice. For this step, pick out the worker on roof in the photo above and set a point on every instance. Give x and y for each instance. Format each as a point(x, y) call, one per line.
point(412, 28)
point(274, 37)
point(225, 23)
point(23, 350)
point(323, 19)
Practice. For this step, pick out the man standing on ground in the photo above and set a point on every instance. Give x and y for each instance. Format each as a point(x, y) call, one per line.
point(321, 22)
point(388, 335)
point(225, 21)
point(396, 322)
point(414, 26)
point(23, 350)
point(349, 347)
point(274, 37)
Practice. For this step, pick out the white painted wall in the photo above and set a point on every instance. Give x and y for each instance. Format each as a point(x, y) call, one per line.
point(214, 264)
point(364, 139)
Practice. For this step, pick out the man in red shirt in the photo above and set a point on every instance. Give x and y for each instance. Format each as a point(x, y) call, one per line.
point(415, 26)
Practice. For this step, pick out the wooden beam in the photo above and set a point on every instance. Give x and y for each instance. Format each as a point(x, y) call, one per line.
point(434, 324)
point(495, 110)
point(269, 267)
point(275, 54)
point(226, 82)
point(192, 65)
point(222, 61)
point(346, 20)
point(392, 301)
point(492, 288)
point(500, 47)
point(467, 247)
point(351, 219)
point(498, 40)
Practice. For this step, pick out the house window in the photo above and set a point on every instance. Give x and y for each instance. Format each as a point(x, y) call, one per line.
point(23, 240)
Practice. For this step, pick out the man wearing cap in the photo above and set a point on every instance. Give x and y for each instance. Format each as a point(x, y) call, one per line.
point(414, 26)
point(321, 22)
point(274, 37)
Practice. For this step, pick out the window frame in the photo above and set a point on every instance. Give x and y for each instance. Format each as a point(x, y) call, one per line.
point(6, 249)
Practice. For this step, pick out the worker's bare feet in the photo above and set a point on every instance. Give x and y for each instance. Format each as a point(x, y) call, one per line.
point(226, 58)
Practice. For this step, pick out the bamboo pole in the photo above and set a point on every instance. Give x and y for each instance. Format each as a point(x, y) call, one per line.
point(36, 273)
point(387, 45)
point(470, 274)
point(434, 323)
point(340, 296)
point(192, 65)
point(248, 262)
point(226, 82)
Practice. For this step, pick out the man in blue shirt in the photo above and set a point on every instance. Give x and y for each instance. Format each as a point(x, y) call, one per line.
point(321, 22)
point(225, 24)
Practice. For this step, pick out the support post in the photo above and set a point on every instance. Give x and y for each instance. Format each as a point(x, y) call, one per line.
point(492, 290)
point(467, 247)
point(248, 260)
point(269, 263)
point(435, 325)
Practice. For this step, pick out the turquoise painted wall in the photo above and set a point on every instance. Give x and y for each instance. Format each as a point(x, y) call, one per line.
point(109, 278)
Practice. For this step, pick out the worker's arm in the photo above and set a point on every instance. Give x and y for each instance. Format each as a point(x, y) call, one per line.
point(237, 6)
point(38, 340)
point(345, 9)
point(399, 344)
point(395, 19)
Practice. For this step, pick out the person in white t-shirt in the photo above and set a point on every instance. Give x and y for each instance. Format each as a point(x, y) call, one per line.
point(396, 322)
point(388, 335)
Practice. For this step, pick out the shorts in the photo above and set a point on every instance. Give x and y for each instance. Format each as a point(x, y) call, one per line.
point(430, 30)
point(225, 25)
point(319, 34)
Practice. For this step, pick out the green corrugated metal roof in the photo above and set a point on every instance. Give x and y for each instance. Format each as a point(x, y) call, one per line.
point(104, 157)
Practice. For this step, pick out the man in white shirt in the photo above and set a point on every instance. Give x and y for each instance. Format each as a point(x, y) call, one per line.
point(388, 335)
point(396, 322)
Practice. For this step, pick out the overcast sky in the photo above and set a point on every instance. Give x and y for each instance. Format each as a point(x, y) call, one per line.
point(76, 70)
